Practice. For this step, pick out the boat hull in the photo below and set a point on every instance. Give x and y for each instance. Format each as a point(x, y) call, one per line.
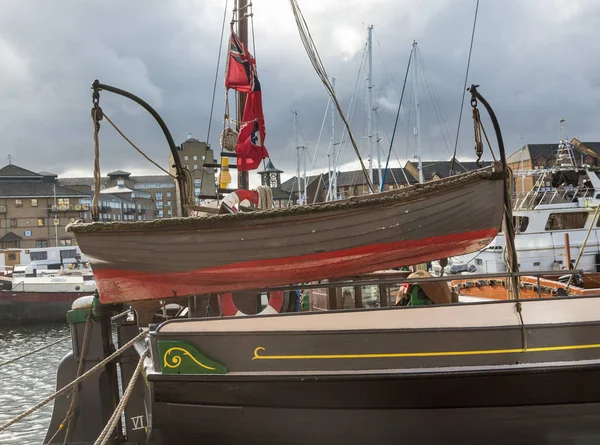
point(36, 307)
point(462, 373)
point(523, 407)
point(222, 253)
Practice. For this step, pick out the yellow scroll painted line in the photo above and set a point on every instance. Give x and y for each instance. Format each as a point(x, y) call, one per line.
point(418, 354)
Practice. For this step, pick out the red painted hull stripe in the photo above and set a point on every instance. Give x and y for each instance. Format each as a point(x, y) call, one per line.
point(117, 285)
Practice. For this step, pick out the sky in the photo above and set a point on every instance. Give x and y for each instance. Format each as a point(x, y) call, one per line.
point(535, 61)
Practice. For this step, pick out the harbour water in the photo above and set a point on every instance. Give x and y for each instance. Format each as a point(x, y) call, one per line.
point(29, 380)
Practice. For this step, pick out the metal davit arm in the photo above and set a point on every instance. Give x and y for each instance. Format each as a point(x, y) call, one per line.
point(97, 87)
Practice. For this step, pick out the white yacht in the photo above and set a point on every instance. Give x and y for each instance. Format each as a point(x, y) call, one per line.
point(563, 201)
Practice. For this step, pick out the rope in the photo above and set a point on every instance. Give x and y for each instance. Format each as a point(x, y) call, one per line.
point(116, 415)
point(75, 382)
point(582, 247)
point(212, 104)
point(315, 59)
point(138, 150)
point(75, 392)
point(12, 360)
point(462, 101)
point(265, 197)
point(95, 212)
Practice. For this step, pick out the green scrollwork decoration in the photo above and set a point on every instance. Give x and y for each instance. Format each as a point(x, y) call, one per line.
point(179, 357)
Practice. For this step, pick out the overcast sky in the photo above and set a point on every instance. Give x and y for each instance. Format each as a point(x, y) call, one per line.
point(536, 61)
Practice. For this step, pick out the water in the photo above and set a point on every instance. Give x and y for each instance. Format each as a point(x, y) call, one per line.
point(29, 380)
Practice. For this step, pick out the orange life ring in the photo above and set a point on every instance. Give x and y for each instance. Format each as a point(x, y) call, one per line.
point(229, 309)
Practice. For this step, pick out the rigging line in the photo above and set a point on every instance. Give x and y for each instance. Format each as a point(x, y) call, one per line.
point(134, 146)
point(312, 164)
point(352, 105)
point(317, 63)
point(436, 106)
point(212, 105)
point(251, 5)
point(387, 162)
point(462, 102)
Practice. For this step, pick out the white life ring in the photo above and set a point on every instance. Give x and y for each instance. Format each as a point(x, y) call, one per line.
point(229, 309)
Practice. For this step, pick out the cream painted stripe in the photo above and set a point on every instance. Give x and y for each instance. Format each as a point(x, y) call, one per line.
point(495, 314)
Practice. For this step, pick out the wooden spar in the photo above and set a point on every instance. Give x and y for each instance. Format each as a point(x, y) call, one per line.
point(567, 251)
point(242, 32)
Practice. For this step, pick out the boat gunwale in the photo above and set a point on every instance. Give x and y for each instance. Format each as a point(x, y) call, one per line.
point(366, 201)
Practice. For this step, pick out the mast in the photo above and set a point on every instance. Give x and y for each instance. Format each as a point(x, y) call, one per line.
point(333, 179)
point(369, 84)
point(417, 119)
point(298, 158)
point(242, 32)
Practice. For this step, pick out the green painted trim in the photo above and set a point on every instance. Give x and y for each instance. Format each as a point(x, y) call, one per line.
point(180, 357)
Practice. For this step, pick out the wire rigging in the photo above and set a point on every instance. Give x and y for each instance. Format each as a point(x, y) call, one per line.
point(212, 104)
point(462, 101)
point(315, 60)
point(387, 162)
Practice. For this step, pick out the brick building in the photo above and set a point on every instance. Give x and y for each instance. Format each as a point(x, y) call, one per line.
point(35, 209)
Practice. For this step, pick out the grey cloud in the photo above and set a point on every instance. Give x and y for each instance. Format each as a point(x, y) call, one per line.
point(535, 62)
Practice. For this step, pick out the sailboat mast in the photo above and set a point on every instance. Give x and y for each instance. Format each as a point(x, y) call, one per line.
point(333, 182)
point(369, 84)
point(298, 158)
point(242, 32)
point(417, 118)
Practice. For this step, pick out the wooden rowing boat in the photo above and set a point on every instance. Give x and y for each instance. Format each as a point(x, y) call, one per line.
point(218, 253)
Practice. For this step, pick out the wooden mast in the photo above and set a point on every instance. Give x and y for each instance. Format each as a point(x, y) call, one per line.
point(242, 31)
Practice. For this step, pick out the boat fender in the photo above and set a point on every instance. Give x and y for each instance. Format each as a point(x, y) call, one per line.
point(228, 308)
point(234, 198)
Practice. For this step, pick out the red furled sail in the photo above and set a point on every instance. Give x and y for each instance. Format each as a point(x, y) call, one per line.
point(241, 76)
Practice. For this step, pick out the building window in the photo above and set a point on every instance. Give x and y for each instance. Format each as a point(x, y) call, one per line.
point(63, 203)
point(19, 202)
point(41, 243)
point(168, 203)
point(159, 196)
point(120, 182)
point(160, 214)
point(40, 222)
point(159, 205)
point(195, 166)
point(168, 194)
point(185, 158)
point(566, 221)
point(195, 158)
point(34, 203)
point(169, 212)
point(13, 222)
point(66, 242)
point(197, 182)
point(38, 256)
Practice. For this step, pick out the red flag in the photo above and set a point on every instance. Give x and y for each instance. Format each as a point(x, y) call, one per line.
point(250, 148)
point(240, 73)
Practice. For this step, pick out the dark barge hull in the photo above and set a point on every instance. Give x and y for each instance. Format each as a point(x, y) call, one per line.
point(463, 373)
point(36, 307)
point(530, 407)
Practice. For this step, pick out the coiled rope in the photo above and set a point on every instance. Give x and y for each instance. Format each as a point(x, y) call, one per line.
point(12, 360)
point(75, 382)
point(265, 197)
point(116, 415)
